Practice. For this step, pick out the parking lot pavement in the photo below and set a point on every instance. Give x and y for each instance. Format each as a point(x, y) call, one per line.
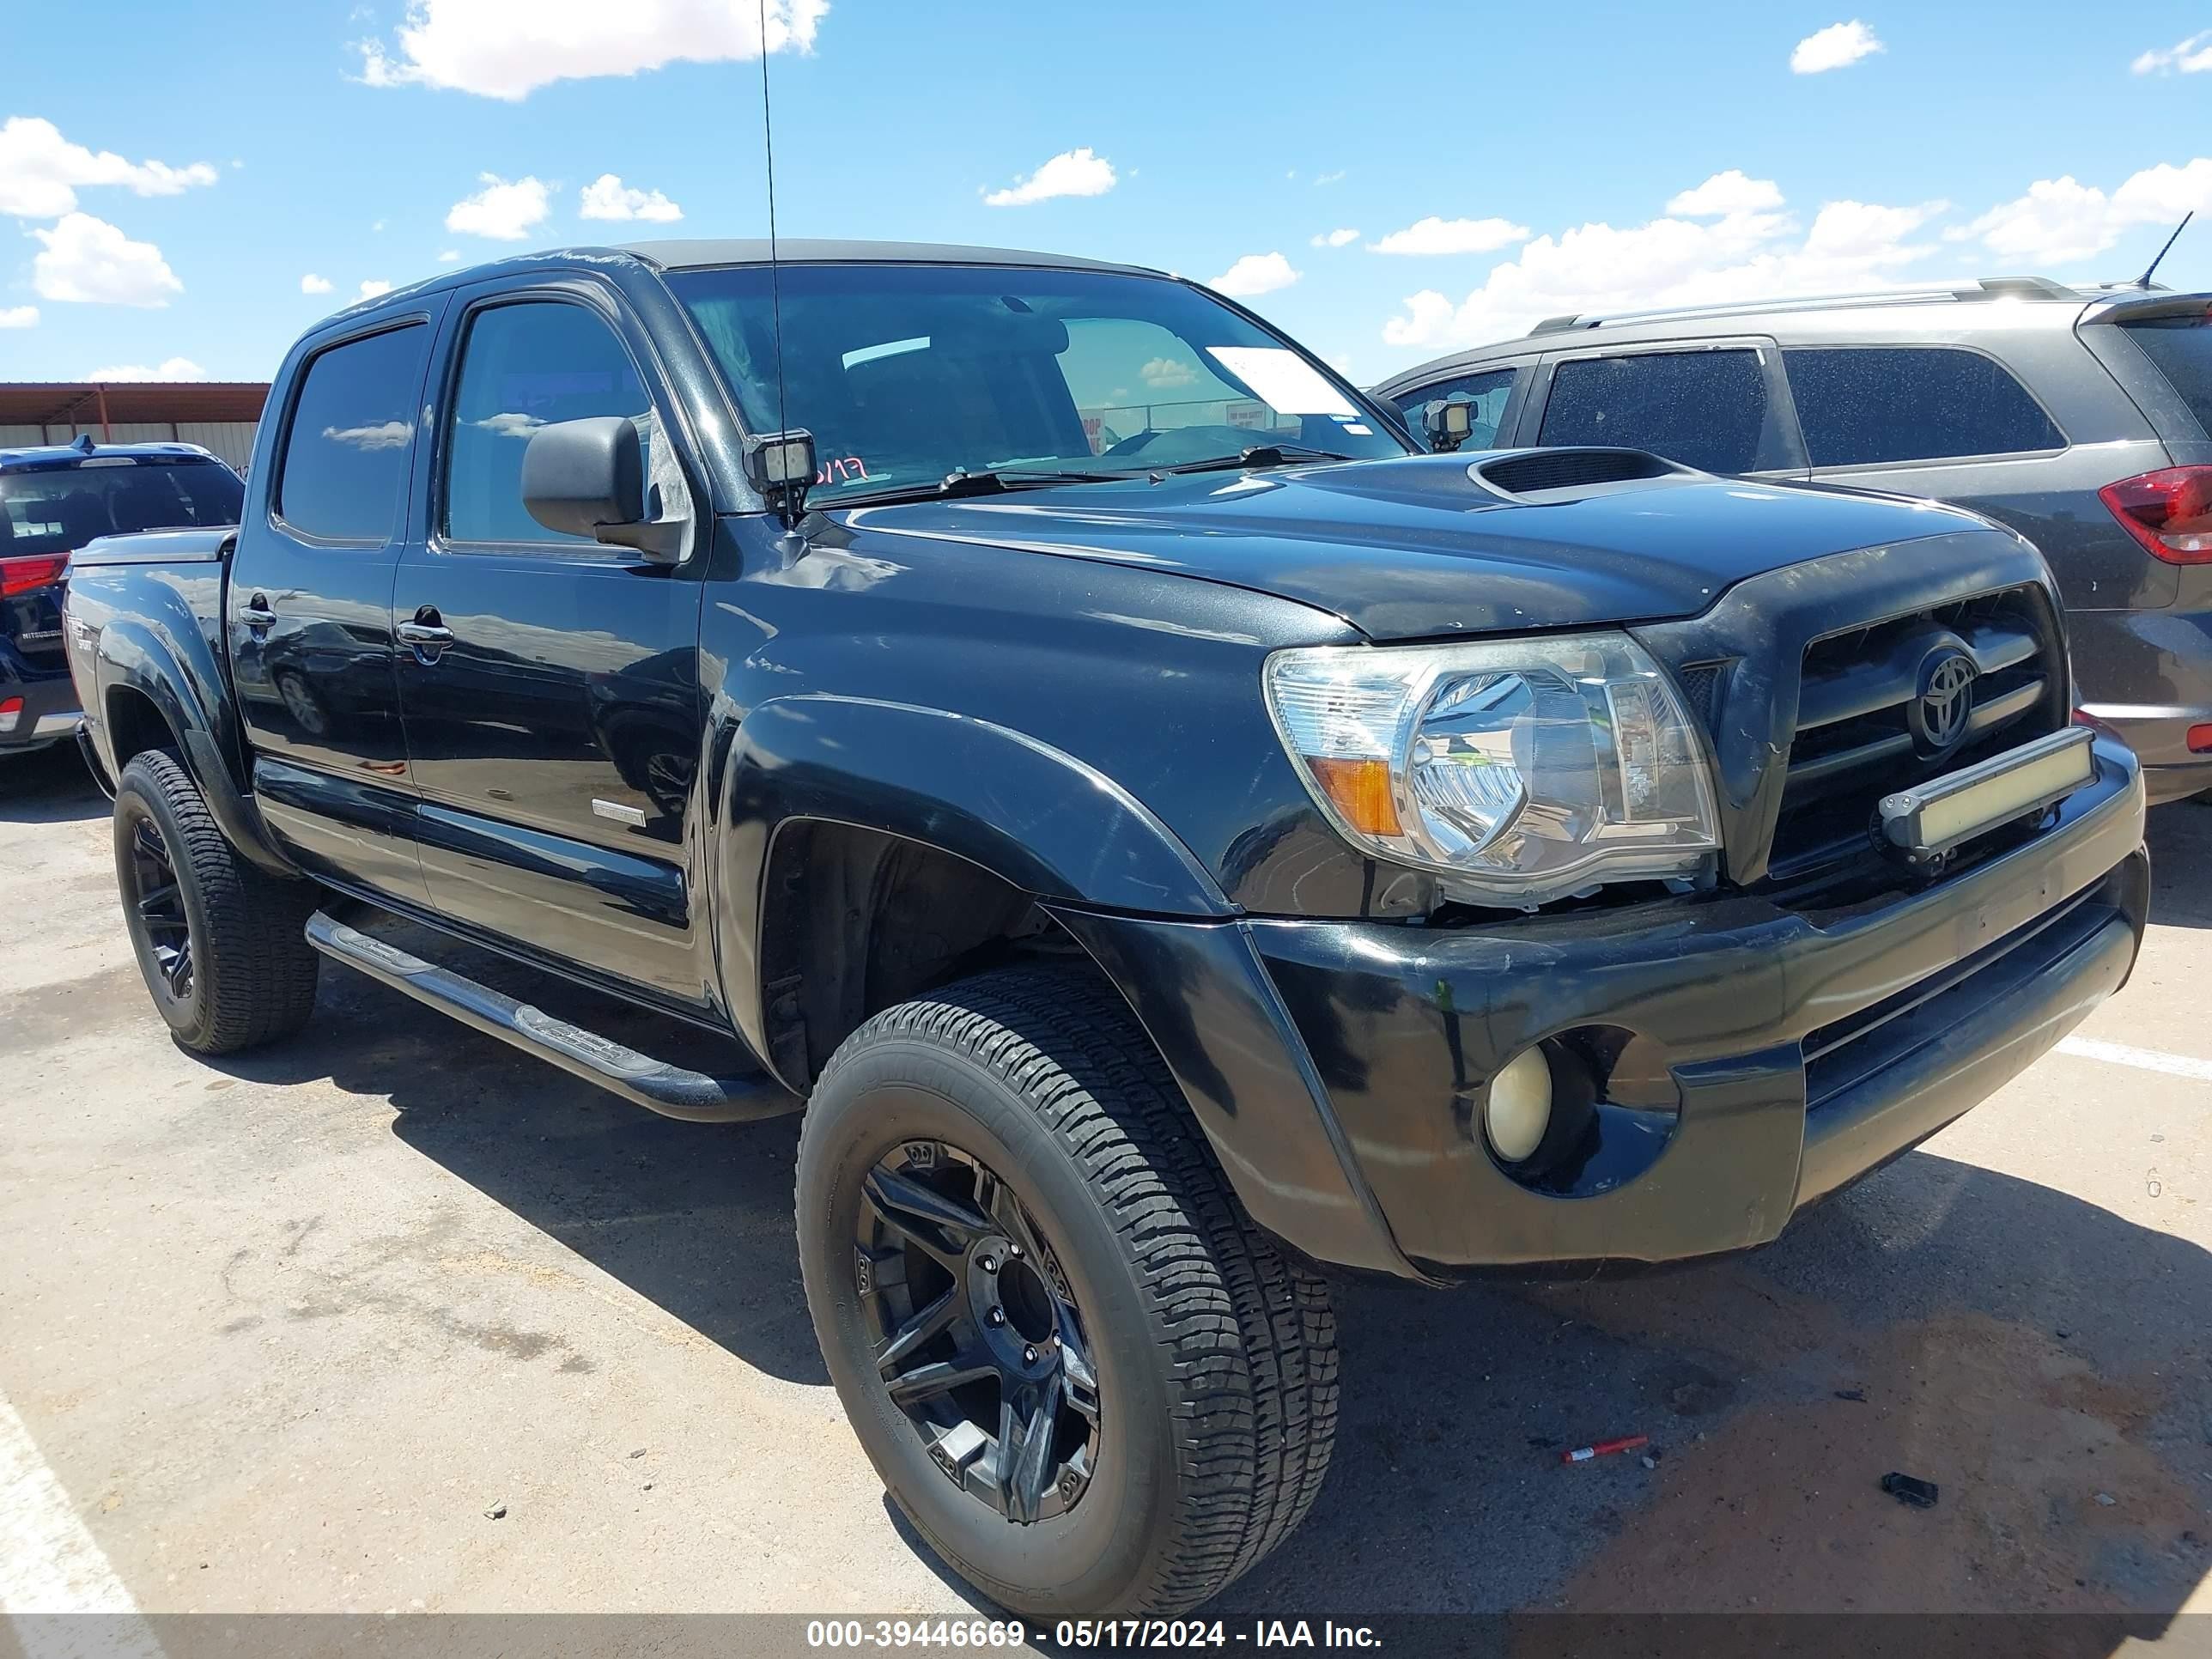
point(284, 1330)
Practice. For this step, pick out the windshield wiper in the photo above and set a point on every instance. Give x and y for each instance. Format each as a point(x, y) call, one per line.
point(1258, 455)
point(965, 483)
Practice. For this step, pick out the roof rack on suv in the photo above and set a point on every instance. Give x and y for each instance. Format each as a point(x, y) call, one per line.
point(1986, 288)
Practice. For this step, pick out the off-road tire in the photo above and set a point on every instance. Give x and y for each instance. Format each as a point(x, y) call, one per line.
point(253, 972)
point(1215, 1353)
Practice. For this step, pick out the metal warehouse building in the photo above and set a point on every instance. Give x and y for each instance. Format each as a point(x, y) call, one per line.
point(217, 415)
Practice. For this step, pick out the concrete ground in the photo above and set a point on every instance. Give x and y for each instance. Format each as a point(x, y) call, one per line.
point(283, 1330)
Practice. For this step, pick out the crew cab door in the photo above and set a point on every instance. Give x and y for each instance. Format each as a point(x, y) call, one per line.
point(550, 685)
point(308, 613)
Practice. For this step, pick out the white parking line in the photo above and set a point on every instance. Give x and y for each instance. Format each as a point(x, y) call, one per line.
point(2144, 1060)
point(49, 1566)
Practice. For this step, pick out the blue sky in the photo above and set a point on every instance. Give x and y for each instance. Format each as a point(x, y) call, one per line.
point(171, 175)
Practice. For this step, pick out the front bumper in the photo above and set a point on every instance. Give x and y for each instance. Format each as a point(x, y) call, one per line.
point(1341, 1077)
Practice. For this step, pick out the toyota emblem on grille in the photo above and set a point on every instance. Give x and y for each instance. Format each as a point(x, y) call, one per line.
point(1938, 714)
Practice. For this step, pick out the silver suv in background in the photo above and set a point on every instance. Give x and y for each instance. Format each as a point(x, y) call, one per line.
point(2083, 417)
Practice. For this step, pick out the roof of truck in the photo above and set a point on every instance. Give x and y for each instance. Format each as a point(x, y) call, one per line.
point(686, 254)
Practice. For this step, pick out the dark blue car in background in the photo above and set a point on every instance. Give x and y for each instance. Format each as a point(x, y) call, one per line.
point(53, 501)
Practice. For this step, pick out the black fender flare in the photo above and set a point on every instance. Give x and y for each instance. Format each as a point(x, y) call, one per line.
point(1043, 821)
point(137, 656)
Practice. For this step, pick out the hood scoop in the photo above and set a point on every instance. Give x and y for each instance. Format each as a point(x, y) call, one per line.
point(1538, 476)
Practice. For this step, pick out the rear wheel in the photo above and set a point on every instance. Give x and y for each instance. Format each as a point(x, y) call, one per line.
point(1090, 1383)
point(219, 941)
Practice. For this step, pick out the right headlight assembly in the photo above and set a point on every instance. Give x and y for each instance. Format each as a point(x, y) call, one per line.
point(1521, 770)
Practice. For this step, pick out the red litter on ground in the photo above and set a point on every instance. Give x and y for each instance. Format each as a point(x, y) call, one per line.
point(1605, 1448)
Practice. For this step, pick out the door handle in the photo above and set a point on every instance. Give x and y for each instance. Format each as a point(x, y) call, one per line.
point(427, 635)
point(258, 618)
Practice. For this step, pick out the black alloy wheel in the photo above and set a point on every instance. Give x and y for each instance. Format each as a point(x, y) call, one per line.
point(979, 1340)
point(154, 898)
point(218, 939)
point(1085, 1378)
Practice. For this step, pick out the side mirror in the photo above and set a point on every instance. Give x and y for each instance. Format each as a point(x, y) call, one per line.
point(781, 465)
point(588, 479)
point(1448, 424)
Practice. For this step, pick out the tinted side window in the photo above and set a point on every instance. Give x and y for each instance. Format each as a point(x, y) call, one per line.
point(352, 431)
point(1703, 409)
point(2182, 349)
point(1487, 390)
point(1862, 404)
point(524, 367)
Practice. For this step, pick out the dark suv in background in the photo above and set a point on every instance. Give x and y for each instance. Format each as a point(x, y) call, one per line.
point(2083, 417)
point(53, 501)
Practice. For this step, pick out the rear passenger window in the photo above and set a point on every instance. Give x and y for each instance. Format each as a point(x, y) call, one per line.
point(525, 367)
point(1859, 405)
point(1703, 409)
point(1486, 392)
point(353, 427)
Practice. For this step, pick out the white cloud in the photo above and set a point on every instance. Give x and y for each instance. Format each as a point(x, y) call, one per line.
point(173, 369)
point(1327, 177)
point(40, 170)
point(1255, 273)
point(504, 212)
point(1837, 46)
point(2061, 220)
point(1435, 235)
point(373, 286)
point(1335, 238)
point(386, 435)
point(18, 316)
point(1163, 374)
point(2165, 192)
point(451, 256)
point(1743, 254)
point(509, 48)
point(606, 198)
point(2058, 221)
point(88, 259)
point(2190, 56)
point(1727, 192)
point(1071, 173)
point(312, 283)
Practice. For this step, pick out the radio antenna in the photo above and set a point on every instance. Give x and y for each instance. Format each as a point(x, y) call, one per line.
point(2142, 282)
point(774, 277)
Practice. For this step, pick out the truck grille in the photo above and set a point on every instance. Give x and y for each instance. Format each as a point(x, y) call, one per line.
point(1887, 706)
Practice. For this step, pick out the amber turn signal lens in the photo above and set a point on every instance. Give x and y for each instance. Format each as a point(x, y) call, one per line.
point(1361, 791)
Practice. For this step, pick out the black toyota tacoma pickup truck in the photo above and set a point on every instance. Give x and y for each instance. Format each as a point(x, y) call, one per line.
point(1169, 833)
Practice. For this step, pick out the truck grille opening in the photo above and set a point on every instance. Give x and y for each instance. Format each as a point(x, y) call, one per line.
point(1874, 701)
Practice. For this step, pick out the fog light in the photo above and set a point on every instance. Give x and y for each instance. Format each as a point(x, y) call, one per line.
point(1519, 1108)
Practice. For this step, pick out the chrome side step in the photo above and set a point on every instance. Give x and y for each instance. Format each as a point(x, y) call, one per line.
point(652, 1084)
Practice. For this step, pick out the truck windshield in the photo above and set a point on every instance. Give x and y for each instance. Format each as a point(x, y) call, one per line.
point(909, 373)
point(57, 509)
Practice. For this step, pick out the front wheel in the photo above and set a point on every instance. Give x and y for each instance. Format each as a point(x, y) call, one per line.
point(220, 943)
point(1089, 1381)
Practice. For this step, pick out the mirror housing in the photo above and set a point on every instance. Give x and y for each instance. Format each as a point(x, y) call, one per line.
point(782, 466)
point(1448, 424)
point(588, 479)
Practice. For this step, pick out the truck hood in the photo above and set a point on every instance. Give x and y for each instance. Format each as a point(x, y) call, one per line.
point(1418, 548)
